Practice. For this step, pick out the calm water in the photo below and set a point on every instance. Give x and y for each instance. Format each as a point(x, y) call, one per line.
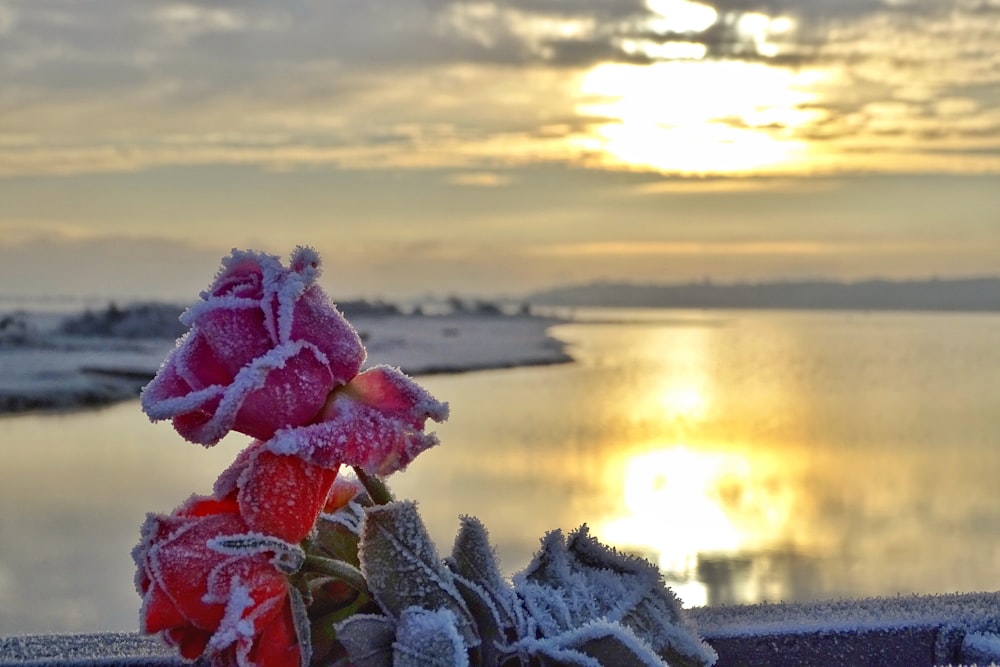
point(753, 455)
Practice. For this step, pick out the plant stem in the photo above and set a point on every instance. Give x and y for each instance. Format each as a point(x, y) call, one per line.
point(376, 488)
point(337, 568)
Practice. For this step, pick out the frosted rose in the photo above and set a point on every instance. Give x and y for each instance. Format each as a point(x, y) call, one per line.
point(212, 587)
point(265, 348)
point(375, 422)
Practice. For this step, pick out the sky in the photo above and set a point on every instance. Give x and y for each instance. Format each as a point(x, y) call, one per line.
point(441, 147)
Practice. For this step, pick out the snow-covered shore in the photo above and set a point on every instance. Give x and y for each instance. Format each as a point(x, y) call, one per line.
point(42, 367)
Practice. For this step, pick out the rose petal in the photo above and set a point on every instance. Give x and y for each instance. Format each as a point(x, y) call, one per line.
point(190, 641)
point(292, 385)
point(234, 330)
point(283, 495)
point(227, 483)
point(197, 364)
point(376, 422)
point(318, 321)
point(181, 564)
point(343, 491)
point(241, 275)
point(394, 393)
point(199, 506)
point(276, 644)
point(159, 612)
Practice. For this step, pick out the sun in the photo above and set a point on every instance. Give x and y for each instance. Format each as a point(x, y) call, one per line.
point(696, 117)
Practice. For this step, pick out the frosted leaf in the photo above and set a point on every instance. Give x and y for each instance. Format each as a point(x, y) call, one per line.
point(367, 638)
point(428, 639)
point(401, 565)
point(647, 606)
point(337, 537)
point(288, 558)
point(349, 516)
point(555, 597)
point(474, 558)
point(550, 564)
point(493, 630)
point(547, 608)
point(547, 653)
point(981, 648)
point(571, 583)
point(612, 644)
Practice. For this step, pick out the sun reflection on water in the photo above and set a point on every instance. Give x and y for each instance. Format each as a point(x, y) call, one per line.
point(680, 505)
point(686, 494)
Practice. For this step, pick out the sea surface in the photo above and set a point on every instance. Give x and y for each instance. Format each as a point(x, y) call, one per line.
point(754, 455)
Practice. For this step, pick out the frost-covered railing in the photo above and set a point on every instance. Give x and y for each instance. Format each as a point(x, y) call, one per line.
point(912, 631)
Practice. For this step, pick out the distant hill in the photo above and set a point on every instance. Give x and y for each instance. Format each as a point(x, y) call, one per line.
point(971, 294)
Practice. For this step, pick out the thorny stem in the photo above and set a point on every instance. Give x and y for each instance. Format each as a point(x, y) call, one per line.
point(376, 488)
point(337, 568)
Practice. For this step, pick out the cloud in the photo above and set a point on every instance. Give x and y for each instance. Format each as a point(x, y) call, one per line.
point(670, 249)
point(387, 84)
point(482, 179)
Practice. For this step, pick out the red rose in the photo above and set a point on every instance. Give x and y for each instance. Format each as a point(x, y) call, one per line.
point(210, 586)
point(276, 494)
point(265, 348)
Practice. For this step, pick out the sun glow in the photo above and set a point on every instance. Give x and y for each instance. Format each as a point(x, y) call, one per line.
point(682, 504)
point(670, 509)
point(697, 117)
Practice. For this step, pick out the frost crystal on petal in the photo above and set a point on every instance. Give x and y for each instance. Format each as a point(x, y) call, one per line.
point(287, 558)
point(233, 625)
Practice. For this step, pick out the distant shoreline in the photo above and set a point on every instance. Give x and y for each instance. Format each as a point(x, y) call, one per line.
point(931, 295)
point(54, 373)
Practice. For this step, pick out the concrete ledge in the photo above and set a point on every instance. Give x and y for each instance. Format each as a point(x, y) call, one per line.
point(91, 650)
point(905, 631)
point(911, 631)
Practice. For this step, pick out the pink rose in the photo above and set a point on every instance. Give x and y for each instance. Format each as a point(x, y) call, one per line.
point(375, 422)
point(265, 348)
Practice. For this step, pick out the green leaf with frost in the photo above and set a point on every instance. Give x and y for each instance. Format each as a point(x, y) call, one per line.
point(401, 565)
point(335, 540)
point(612, 644)
point(493, 633)
point(428, 639)
point(573, 582)
point(474, 559)
point(649, 608)
point(368, 639)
